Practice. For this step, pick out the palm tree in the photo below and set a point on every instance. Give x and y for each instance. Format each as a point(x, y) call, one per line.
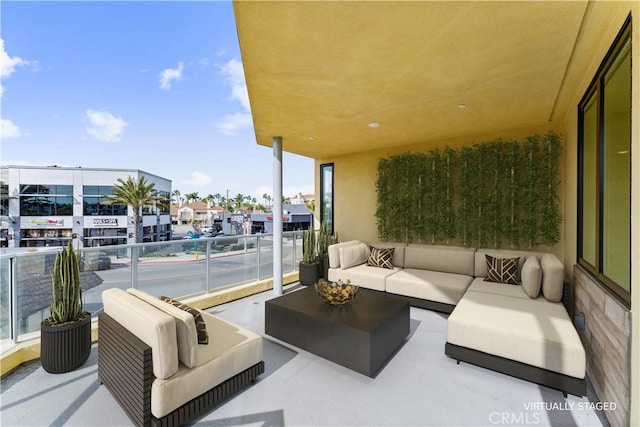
point(176, 193)
point(218, 197)
point(239, 200)
point(192, 197)
point(135, 194)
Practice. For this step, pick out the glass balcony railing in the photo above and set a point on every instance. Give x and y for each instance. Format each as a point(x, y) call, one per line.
point(177, 269)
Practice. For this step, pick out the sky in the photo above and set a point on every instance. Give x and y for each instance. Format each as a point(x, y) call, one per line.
point(155, 86)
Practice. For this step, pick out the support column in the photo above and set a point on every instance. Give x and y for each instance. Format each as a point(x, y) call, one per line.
point(277, 215)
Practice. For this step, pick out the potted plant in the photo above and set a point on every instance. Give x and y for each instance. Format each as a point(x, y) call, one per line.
point(325, 239)
point(308, 268)
point(65, 336)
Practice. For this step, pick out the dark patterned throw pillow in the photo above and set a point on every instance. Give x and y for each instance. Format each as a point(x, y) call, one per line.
point(502, 270)
point(201, 326)
point(381, 257)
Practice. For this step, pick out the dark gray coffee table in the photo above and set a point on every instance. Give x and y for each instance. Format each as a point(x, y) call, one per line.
point(361, 335)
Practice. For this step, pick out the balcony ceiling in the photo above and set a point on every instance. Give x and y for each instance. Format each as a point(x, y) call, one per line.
point(319, 72)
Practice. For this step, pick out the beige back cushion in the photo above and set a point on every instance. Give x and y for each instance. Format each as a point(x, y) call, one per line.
point(334, 252)
point(552, 277)
point(531, 276)
point(447, 259)
point(352, 255)
point(154, 327)
point(185, 327)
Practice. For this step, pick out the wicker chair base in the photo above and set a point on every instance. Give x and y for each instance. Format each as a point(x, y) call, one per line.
point(125, 367)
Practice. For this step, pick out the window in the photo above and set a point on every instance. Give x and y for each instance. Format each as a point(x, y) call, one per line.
point(95, 201)
point(604, 150)
point(46, 200)
point(326, 195)
point(4, 199)
point(163, 202)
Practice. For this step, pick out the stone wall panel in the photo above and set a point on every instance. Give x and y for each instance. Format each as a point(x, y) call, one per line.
point(607, 342)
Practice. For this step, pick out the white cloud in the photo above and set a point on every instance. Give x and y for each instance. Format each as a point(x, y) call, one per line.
point(232, 123)
point(105, 126)
point(9, 130)
point(8, 64)
point(234, 77)
point(169, 75)
point(198, 179)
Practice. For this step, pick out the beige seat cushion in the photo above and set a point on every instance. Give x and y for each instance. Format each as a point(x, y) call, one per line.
point(185, 327)
point(154, 327)
point(536, 332)
point(446, 288)
point(231, 350)
point(364, 276)
point(514, 291)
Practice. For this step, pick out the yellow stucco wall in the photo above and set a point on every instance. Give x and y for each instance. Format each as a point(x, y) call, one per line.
point(355, 175)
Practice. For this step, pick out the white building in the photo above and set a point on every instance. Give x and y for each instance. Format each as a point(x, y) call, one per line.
point(46, 206)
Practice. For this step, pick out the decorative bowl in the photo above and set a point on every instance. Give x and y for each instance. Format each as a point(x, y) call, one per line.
point(336, 293)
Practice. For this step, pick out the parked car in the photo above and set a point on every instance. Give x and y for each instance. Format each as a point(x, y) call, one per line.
point(95, 261)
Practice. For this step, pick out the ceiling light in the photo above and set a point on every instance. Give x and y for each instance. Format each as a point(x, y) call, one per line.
point(374, 125)
point(461, 106)
point(311, 138)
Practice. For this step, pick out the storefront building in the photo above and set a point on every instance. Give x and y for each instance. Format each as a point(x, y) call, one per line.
point(294, 217)
point(47, 206)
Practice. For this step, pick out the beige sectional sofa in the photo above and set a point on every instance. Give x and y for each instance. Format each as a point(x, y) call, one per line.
point(522, 330)
point(433, 277)
point(151, 360)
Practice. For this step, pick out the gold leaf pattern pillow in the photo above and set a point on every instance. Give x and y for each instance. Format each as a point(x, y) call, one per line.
point(381, 257)
point(201, 326)
point(502, 270)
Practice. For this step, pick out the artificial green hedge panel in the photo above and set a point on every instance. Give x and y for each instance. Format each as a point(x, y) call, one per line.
point(494, 194)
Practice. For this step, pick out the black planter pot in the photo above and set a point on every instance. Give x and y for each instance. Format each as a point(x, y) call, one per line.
point(66, 347)
point(308, 273)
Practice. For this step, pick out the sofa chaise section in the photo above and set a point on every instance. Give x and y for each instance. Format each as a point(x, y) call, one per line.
point(500, 327)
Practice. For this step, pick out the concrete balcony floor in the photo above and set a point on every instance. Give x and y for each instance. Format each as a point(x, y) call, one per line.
point(419, 386)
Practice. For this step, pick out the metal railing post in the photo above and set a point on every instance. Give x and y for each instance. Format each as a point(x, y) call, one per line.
point(134, 266)
point(13, 334)
point(207, 266)
point(258, 256)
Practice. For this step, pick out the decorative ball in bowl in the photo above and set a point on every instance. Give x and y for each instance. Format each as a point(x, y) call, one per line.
point(336, 293)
